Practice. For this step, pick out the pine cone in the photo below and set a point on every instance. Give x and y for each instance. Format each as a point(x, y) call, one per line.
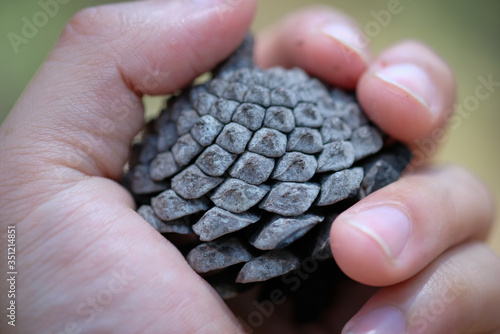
point(255, 165)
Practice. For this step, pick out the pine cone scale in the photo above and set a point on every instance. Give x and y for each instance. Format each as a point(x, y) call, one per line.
point(251, 162)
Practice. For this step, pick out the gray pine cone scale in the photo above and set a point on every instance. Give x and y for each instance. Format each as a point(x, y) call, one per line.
point(252, 161)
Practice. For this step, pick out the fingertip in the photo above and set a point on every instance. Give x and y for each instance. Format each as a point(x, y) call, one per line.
point(398, 110)
point(408, 91)
point(324, 42)
point(395, 232)
point(334, 56)
point(447, 296)
point(359, 255)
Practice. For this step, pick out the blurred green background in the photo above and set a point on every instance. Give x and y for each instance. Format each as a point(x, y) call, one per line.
point(464, 32)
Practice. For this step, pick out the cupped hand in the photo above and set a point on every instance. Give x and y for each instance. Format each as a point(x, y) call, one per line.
point(420, 238)
point(88, 263)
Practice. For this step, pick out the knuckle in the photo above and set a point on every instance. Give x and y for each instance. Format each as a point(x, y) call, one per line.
point(452, 289)
point(82, 22)
point(465, 196)
point(473, 182)
point(462, 173)
point(92, 23)
point(450, 276)
point(484, 195)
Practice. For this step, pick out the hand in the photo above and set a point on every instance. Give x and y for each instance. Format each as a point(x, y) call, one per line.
point(88, 263)
point(421, 238)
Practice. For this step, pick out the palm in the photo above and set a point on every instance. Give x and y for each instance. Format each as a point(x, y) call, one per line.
point(105, 265)
point(106, 262)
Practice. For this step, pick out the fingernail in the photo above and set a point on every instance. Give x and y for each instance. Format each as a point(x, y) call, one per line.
point(412, 79)
point(348, 37)
point(382, 320)
point(387, 226)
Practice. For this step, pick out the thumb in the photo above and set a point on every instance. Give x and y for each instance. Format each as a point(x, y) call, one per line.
point(77, 118)
point(84, 106)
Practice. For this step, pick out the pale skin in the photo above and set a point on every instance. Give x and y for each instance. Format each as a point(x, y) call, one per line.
point(88, 263)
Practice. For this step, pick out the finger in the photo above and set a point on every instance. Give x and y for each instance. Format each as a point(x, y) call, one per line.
point(106, 59)
point(408, 91)
point(458, 293)
point(392, 234)
point(321, 40)
point(89, 261)
point(83, 107)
